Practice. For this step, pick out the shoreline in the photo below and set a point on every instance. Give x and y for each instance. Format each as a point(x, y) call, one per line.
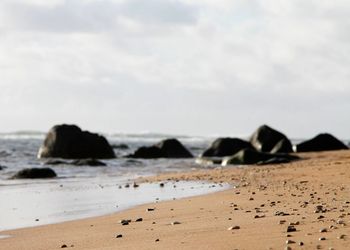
point(266, 200)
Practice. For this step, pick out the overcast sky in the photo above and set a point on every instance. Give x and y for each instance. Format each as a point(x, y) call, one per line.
point(200, 67)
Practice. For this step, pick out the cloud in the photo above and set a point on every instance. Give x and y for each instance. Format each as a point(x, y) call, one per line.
point(207, 60)
point(95, 16)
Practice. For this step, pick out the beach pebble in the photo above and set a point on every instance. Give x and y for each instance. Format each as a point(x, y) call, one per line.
point(288, 248)
point(322, 238)
point(291, 229)
point(301, 243)
point(161, 184)
point(119, 236)
point(234, 228)
point(156, 240)
point(175, 223)
point(341, 237)
point(150, 209)
point(125, 222)
point(323, 230)
point(340, 222)
point(290, 242)
point(139, 220)
point(64, 246)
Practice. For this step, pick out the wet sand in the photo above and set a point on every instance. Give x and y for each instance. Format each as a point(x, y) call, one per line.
point(311, 197)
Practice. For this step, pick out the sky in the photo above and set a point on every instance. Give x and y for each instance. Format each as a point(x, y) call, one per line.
point(197, 67)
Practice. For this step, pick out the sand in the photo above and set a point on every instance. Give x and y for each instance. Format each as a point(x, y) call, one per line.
point(312, 194)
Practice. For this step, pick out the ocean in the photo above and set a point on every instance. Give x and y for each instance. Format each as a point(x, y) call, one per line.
point(82, 191)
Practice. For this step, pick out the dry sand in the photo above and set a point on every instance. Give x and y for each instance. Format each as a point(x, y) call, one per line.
point(313, 194)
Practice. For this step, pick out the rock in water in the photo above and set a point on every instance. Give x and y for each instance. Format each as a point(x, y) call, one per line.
point(249, 156)
point(88, 162)
point(34, 173)
point(226, 147)
point(265, 139)
point(169, 148)
point(147, 153)
point(70, 142)
point(172, 148)
point(321, 142)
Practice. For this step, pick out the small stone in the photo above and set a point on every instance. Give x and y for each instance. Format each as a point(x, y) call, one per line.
point(139, 220)
point(119, 236)
point(301, 243)
point(320, 217)
point(340, 222)
point(175, 223)
point(234, 228)
point(125, 222)
point(341, 237)
point(291, 229)
point(282, 222)
point(127, 185)
point(161, 184)
point(156, 240)
point(64, 246)
point(290, 242)
point(288, 248)
point(322, 238)
point(323, 230)
point(150, 209)
point(135, 185)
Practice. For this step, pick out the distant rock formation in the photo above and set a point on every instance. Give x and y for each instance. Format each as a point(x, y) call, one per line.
point(34, 173)
point(226, 147)
point(70, 142)
point(249, 156)
point(265, 139)
point(321, 142)
point(169, 148)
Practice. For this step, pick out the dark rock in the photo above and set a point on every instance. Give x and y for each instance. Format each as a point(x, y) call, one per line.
point(2, 167)
point(265, 139)
point(172, 148)
point(226, 147)
point(321, 142)
point(34, 173)
point(147, 153)
point(291, 229)
point(55, 162)
point(283, 146)
point(169, 148)
point(70, 142)
point(249, 156)
point(120, 146)
point(88, 162)
point(119, 236)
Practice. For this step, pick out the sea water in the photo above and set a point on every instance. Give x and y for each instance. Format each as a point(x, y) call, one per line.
point(83, 191)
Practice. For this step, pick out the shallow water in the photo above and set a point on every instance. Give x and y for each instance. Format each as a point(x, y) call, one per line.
point(82, 191)
point(57, 201)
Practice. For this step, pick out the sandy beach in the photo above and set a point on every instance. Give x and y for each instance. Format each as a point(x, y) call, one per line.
point(299, 205)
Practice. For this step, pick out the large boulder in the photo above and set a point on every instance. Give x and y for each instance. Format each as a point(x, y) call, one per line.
point(321, 142)
point(34, 173)
point(169, 148)
point(265, 139)
point(172, 148)
point(226, 147)
point(283, 146)
point(249, 156)
point(70, 142)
